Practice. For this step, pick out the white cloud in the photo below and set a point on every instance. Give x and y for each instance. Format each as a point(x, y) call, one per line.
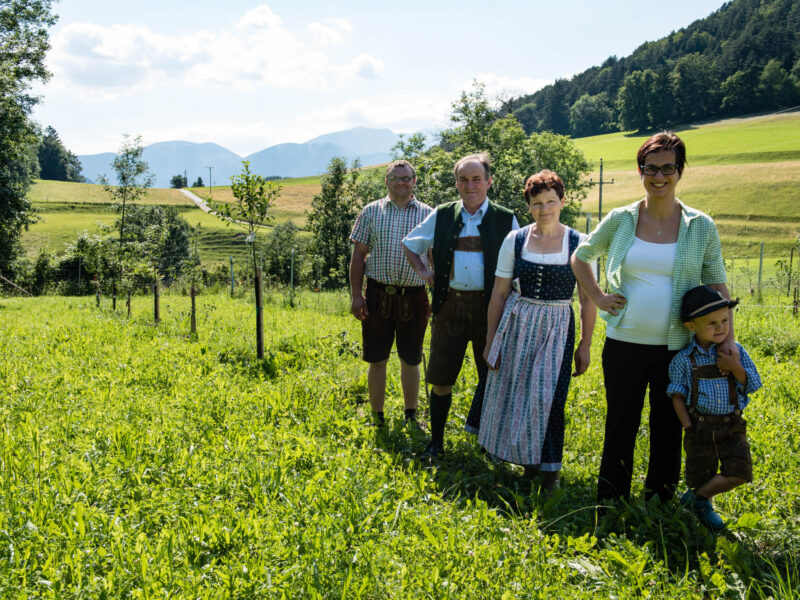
point(506, 85)
point(97, 62)
point(330, 32)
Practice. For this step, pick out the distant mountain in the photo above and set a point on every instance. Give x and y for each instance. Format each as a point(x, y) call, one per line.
point(167, 159)
point(360, 140)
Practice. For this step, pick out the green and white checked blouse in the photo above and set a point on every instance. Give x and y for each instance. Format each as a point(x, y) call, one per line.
point(382, 226)
point(698, 259)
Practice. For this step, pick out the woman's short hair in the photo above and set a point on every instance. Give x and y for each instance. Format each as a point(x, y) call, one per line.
point(663, 141)
point(541, 181)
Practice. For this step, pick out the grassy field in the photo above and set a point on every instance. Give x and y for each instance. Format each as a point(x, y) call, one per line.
point(744, 172)
point(768, 138)
point(66, 209)
point(136, 462)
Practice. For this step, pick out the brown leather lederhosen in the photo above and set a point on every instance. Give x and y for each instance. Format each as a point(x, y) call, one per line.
point(711, 372)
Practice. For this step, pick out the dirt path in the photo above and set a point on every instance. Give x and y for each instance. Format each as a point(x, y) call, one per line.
point(201, 204)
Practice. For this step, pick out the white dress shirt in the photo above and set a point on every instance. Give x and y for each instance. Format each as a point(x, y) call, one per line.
point(467, 266)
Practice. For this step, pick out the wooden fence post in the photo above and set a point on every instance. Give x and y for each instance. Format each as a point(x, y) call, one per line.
point(259, 316)
point(156, 305)
point(193, 294)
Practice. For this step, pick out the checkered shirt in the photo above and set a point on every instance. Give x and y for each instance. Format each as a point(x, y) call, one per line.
point(382, 227)
point(698, 259)
point(713, 393)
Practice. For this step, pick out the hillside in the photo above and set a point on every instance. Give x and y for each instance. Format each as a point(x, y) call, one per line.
point(741, 59)
point(734, 166)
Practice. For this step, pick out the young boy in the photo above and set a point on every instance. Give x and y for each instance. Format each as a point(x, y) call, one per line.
point(709, 403)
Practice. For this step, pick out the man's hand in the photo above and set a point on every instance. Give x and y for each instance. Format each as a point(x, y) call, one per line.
point(427, 276)
point(358, 306)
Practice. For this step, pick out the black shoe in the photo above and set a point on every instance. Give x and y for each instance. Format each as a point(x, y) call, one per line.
point(433, 452)
point(413, 425)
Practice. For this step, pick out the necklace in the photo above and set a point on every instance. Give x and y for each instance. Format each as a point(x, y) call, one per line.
point(660, 224)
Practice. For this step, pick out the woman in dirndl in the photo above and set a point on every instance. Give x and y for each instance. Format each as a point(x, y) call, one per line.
point(531, 337)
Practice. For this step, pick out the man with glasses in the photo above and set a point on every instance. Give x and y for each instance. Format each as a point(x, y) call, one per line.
point(465, 237)
point(395, 303)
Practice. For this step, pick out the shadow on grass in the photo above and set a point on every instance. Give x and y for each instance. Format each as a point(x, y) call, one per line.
point(666, 531)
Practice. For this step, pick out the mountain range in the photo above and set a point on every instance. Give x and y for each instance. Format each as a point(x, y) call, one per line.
point(167, 159)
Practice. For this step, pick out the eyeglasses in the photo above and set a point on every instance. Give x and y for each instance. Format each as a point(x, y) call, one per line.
point(403, 178)
point(666, 170)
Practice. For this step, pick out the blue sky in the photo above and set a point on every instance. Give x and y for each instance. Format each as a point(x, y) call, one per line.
point(248, 74)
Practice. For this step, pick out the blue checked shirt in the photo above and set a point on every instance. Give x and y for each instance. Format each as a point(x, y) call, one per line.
point(712, 393)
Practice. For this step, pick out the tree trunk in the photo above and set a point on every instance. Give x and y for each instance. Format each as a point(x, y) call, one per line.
point(128, 304)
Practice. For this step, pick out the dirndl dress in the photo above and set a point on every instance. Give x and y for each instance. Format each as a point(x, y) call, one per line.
point(522, 419)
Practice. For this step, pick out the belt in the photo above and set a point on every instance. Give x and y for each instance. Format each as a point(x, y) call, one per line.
point(466, 293)
point(395, 290)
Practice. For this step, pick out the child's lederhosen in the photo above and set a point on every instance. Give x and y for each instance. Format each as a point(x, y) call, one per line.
point(713, 441)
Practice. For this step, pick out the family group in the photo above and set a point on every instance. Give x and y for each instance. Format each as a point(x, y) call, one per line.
point(508, 290)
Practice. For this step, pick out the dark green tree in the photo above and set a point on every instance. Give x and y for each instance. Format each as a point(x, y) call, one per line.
point(776, 87)
point(133, 177)
point(739, 93)
point(695, 85)
point(333, 212)
point(515, 156)
point(163, 229)
point(23, 44)
point(55, 161)
point(198, 183)
point(590, 115)
point(178, 181)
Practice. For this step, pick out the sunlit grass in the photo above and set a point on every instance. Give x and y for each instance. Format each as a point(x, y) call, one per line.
point(138, 462)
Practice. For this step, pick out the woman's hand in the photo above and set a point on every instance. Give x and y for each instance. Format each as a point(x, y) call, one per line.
point(486, 352)
point(610, 303)
point(582, 359)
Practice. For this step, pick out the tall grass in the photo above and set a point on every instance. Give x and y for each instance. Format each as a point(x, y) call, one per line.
point(137, 462)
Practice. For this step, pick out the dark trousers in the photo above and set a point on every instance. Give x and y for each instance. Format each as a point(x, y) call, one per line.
point(628, 370)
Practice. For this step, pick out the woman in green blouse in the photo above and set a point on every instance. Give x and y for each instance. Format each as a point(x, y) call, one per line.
point(656, 249)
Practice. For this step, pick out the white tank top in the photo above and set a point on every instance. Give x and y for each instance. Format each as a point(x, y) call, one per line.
point(647, 285)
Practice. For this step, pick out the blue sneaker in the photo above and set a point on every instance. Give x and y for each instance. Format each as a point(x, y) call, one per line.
point(708, 517)
point(688, 498)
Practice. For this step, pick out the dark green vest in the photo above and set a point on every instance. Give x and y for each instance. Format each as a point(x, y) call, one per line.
point(494, 227)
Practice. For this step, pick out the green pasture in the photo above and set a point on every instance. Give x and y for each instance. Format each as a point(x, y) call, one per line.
point(138, 462)
point(767, 138)
point(62, 216)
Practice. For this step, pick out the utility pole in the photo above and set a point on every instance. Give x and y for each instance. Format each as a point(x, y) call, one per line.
point(600, 183)
point(209, 179)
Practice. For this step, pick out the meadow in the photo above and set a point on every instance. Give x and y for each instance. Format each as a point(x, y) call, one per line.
point(66, 209)
point(743, 172)
point(138, 462)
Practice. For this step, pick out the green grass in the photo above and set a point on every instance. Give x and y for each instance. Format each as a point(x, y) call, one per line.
point(768, 138)
point(136, 462)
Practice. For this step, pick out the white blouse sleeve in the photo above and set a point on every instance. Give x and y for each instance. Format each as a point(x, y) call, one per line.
point(505, 258)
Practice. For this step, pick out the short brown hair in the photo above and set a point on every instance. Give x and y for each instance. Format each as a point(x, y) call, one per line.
point(400, 163)
point(481, 157)
point(661, 142)
point(541, 181)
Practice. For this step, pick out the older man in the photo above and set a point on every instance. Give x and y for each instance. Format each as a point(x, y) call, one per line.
point(395, 303)
point(465, 238)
